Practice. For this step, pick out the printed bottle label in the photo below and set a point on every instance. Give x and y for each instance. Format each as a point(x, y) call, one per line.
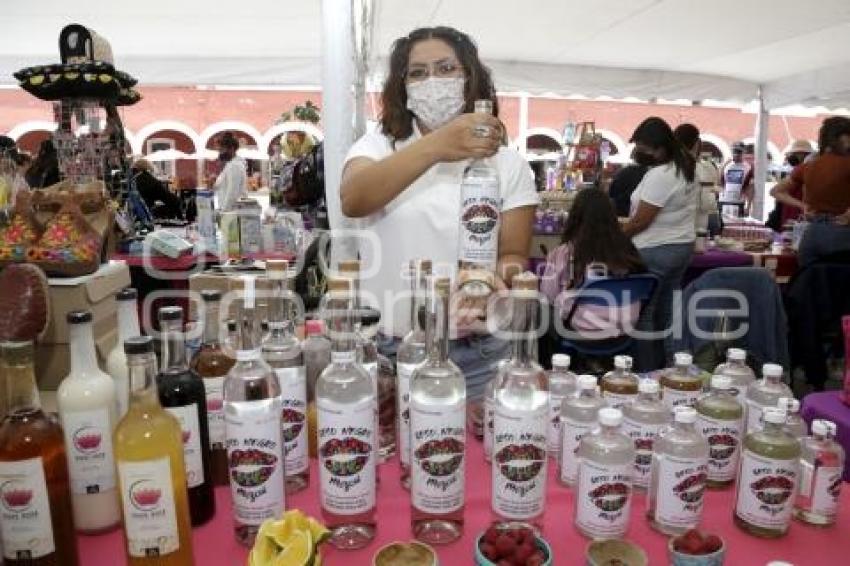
point(346, 451)
point(255, 459)
point(572, 433)
point(754, 412)
point(822, 485)
point(88, 440)
point(480, 216)
point(343, 357)
point(553, 431)
point(643, 435)
point(519, 462)
point(293, 383)
point(150, 516)
point(618, 400)
point(678, 398)
point(766, 490)
point(724, 446)
point(25, 521)
point(405, 372)
point(214, 387)
point(438, 436)
point(681, 486)
point(489, 416)
point(604, 498)
point(187, 416)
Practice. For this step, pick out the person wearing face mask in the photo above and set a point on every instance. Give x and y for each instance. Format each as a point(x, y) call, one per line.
point(706, 176)
point(231, 183)
point(627, 179)
point(403, 181)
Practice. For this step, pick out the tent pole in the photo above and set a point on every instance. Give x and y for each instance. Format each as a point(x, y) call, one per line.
point(523, 124)
point(761, 162)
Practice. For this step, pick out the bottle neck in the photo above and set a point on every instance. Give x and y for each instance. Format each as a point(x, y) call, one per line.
point(609, 430)
point(21, 386)
point(587, 393)
point(83, 357)
point(773, 380)
point(141, 377)
point(280, 312)
point(649, 397)
point(524, 337)
point(128, 321)
point(173, 355)
point(418, 304)
point(437, 329)
point(341, 325)
point(773, 428)
point(211, 323)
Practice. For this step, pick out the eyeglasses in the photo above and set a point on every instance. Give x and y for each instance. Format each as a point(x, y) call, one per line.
point(441, 69)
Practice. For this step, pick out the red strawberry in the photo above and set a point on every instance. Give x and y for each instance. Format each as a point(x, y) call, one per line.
point(523, 553)
point(711, 543)
point(505, 545)
point(489, 551)
point(491, 535)
point(504, 562)
point(691, 546)
point(536, 559)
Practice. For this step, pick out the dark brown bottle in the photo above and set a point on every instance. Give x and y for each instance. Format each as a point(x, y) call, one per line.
point(36, 522)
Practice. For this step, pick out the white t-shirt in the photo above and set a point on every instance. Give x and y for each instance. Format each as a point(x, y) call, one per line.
point(231, 183)
point(674, 224)
point(422, 223)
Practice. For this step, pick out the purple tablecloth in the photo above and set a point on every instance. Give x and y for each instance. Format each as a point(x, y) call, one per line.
point(714, 258)
point(827, 405)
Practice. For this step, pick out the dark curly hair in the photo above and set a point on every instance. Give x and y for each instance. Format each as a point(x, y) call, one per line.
point(396, 120)
point(832, 129)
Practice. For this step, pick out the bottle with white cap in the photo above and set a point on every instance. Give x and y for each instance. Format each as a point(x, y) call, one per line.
point(620, 386)
point(767, 482)
point(562, 384)
point(821, 467)
point(794, 423)
point(720, 419)
point(736, 368)
point(764, 393)
point(677, 479)
point(579, 416)
point(681, 385)
point(605, 467)
point(643, 421)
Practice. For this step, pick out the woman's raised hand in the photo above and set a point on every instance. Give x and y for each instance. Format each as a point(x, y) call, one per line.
point(468, 136)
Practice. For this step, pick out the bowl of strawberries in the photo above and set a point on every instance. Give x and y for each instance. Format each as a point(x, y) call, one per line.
point(514, 545)
point(696, 549)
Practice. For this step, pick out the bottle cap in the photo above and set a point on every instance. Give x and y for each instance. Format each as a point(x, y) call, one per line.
point(211, 295)
point(561, 361)
point(442, 286)
point(17, 353)
point(78, 317)
point(314, 327)
point(771, 370)
point(484, 106)
point(648, 386)
point(349, 266)
point(586, 382)
point(774, 415)
point(526, 281)
point(276, 269)
point(683, 358)
point(610, 417)
point(685, 415)
point(171, 313)
point(623, 362)
point(721, 382)
point(736, 354)
point(138, 345)
point(424, 266)
point(821, 427)
point(126, 294)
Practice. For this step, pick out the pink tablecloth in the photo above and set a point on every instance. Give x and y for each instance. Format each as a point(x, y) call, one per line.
point(215, 546)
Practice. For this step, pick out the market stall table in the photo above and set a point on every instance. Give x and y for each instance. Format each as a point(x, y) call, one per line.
point(782, 266)
point(214, 543)
point(713, 258)
point(828, 405)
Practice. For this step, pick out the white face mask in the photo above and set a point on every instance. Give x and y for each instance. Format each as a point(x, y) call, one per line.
point(435, 101)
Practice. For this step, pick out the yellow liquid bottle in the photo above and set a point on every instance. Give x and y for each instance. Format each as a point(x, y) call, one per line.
point(151, 474)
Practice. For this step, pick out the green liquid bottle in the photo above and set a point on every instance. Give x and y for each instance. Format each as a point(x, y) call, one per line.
point(720, 419)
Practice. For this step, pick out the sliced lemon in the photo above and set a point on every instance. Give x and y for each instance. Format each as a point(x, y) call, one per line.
point(264, 552)
point(319, 532)
point(280, 532)
point(298, 552)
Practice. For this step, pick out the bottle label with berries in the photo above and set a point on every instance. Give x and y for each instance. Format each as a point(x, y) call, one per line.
point(604, 498)
point(820, 487)
point(643, 435)
point(519, 462)
point(150, 516)
point(681, 486)
point(553, 434)
point(573, 431)
point(88, 438)
point(765, 490)
point(187, 416)
point(293, 383)
point(346, 451)
point(724, 446)
point(405, 372)
point(255, 459)
point(26, 526)
point(214, 388)
point(438, 436)
point(679, 397)
point(480, 216)
point(618, 400)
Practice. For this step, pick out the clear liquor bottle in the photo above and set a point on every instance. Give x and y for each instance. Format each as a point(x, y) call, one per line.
point(489, 410)
point(181, 393)
point(438, 432)
point(579, 416)
point(38, 525)
point(720, 419)
point(736, 368)
point(765, 393)
point(212, 363)
point(520, 422)
point(252, 421)
point(620, 386)
point(317, 356)
point(680, 385)
point(562, 384)
point(643, 422)
point(677, 479)
point(282, 351)
point(821, 467)
point(116, 361)
point(347, 416)
point(794, 424)
point(412, 353)
point(604, 492)
point(768, 479)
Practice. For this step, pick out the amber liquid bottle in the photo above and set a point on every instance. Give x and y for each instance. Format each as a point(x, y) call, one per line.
point(36, 525)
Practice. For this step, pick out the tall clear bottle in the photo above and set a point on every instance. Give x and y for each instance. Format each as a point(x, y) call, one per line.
point(579, 416)
point(489, 410)
point(317, 356)
point(88, 412)
point(181, 393)
point(252, 422)
point(37, 527)
point(562, 384)
point(520, 420)
point(677, 479)
point(681, 386)
point(212, 363)
point(767, 482)
point(604, 492)
point(643, 422)
point(116, 361)
point(347, 412)
point(620, 386)
point(765, 393)
point(282, 351)
point(736, 368)
point(720, 419)
point(438, 432)
point(794, 424)
point(151, 472)
point(821, 469)
point(412, 353)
